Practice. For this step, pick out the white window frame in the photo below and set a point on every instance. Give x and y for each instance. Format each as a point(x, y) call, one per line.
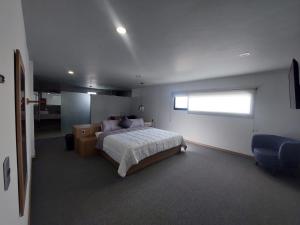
point(180, 95)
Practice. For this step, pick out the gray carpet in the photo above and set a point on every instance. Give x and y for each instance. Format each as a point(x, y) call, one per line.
point(202, 186)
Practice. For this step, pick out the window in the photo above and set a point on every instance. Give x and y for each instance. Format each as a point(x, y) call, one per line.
point(225, 102)
point(181, 102)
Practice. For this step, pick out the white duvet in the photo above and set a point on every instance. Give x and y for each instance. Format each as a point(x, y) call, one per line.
point(130, 148)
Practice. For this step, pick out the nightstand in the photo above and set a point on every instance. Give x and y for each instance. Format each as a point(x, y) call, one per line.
point(148, 124)
point(87, 146)
point(84, 135)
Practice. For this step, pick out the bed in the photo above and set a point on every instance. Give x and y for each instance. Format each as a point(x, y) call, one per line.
point(132, 149)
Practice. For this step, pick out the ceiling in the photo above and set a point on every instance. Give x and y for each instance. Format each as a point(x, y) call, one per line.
point(166, 41)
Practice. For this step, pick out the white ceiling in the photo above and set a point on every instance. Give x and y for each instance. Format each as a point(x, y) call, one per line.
point(167, 40)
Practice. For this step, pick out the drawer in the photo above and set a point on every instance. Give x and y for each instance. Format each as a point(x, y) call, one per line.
point(87, 146)
point(84, 132)
point(148, 124)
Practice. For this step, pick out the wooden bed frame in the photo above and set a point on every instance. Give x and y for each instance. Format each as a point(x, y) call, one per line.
point(145, 162)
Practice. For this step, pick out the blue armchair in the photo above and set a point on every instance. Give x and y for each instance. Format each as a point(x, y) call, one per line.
point(275, 152)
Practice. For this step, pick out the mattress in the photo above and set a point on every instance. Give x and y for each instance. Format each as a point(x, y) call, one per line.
point(129, 147)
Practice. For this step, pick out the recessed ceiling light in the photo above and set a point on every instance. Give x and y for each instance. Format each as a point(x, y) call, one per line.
point(244, 54)
point(91, 93)
point(71, 72)
point(121, 30)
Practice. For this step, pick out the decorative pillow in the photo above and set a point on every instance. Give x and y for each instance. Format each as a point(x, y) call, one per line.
point(110, 125)
point(125, 122)
point(137, 122)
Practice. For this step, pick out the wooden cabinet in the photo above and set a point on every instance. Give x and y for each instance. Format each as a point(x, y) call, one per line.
point(85, 139)
point(84, 130)
point(87, 146)
point(148, 124)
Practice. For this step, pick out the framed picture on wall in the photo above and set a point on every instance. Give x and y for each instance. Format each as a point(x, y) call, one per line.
point(20, 110)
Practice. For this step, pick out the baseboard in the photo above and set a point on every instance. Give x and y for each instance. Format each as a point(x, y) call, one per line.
point(219, 149)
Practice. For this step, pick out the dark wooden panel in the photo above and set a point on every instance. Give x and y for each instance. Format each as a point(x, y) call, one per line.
point(20, 113)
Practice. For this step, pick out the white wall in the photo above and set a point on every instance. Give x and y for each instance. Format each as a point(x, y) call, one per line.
point(13, 37)
point(103, 106)
point(75, 109)
point(52, 99)
point(272, 112)
point(30, 110)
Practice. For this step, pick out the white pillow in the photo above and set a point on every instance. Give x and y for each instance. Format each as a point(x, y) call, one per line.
point(137, 123)
point(110, 125)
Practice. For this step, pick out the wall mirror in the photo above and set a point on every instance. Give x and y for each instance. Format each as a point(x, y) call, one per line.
point(20, 110)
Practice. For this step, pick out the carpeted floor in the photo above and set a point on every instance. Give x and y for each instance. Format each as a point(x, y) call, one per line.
point(201, 187)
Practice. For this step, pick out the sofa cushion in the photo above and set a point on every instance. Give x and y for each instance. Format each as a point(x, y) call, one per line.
point(266, 157)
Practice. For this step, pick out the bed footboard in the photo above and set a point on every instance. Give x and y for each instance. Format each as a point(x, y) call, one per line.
point(145, 162)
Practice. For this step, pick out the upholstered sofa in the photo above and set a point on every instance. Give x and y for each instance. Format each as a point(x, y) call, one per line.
point(276, 152)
